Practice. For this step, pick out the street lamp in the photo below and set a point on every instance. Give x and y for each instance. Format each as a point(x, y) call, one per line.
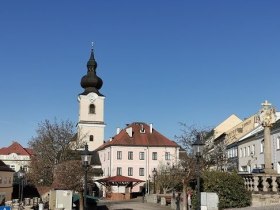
point(21, 175)
point(198, 149)
point(154, 175)
point(86, 158)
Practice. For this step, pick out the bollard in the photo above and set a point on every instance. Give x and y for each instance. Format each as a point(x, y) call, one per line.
point(41, 206)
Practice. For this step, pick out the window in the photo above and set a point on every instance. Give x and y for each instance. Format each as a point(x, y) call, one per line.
point(119, 155)
point(248, 151)
point(278, 142)
point(167, 155)
point(240, 152)
point(262, 146)
point(92, 109)
point(130, 155)
point(12, 167)
point(91, 138)
point(130, 171)
point(0, 180)
point(154, 155)
point(141, 156)
point(244, 152)
point(249, 169)
point(141, 171)
point(119, 171)
point(253, 150)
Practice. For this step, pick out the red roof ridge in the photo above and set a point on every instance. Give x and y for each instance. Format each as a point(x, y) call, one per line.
point(139, 134)
point(16, 147)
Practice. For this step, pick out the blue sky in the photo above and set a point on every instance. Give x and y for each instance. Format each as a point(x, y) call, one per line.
point(161, 61)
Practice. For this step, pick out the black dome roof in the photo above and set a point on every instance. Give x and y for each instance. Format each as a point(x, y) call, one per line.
point(91, 82)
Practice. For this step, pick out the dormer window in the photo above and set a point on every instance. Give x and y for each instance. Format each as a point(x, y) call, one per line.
point(92, 109)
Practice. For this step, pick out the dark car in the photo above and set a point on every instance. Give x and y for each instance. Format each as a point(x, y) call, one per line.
point(258, 171)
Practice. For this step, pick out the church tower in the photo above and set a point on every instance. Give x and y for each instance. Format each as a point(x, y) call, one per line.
point(91, 108)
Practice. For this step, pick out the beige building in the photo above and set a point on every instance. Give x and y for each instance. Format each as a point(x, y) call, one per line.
point(226, 125)
point(6, 182)
point(16, 156)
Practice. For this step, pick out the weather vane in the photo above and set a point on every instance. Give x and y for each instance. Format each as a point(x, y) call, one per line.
point(92, 43)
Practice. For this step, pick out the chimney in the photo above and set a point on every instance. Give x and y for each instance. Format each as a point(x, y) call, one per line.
point(118, 130)
point(151, 128)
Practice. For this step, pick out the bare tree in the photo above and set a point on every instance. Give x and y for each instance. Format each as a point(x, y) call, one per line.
point(189, 135)
point(168, 178)
point(214, 155)
point(53, 144)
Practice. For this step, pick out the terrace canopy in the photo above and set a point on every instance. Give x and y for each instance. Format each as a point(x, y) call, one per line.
point(119, 181)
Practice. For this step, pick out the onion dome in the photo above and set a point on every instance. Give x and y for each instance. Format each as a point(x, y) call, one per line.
point(91, 82)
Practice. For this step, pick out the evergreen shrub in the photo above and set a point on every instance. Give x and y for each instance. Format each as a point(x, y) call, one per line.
point(229, 187)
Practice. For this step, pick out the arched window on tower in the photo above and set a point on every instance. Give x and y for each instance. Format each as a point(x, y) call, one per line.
point(92, 109)
point(91, 138)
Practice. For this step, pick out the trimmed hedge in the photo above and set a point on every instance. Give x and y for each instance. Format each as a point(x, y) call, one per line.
point(229, 187)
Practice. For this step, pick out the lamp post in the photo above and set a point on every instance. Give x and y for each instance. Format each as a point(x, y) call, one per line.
point(198, 149)
point(154, 175)
point(86, 158)
point(21, 175)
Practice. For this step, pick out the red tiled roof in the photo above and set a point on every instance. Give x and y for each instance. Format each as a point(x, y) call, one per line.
point(141, 136)
point(15, 147)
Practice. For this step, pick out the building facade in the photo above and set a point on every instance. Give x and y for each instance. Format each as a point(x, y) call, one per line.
point(251, 150)
point(135, 151)
point(16, 156)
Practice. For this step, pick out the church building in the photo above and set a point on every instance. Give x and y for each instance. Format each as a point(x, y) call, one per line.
point(91, 108)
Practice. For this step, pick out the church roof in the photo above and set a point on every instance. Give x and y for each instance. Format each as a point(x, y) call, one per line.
point(15, 147)
point(139, 134)
point(91, 82)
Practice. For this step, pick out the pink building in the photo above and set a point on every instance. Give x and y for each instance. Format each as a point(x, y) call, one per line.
point(135, 151)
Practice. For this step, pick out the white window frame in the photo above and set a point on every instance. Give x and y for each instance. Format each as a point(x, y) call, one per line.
point(130, 171)
point(167, 156)
point(141, 156)
point(119, 171)
point(119, 155)
point(141, 172)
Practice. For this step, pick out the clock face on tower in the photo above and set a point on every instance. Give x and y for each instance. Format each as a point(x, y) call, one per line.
point(92, 96)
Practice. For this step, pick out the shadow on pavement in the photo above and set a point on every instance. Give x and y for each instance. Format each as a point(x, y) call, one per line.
point(102, 207)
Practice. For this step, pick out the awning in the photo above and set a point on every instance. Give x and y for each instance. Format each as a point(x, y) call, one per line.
point(119, 181)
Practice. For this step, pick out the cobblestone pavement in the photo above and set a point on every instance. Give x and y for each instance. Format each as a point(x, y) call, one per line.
point(137, 204)
point(134, 204)
point(273, 207)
